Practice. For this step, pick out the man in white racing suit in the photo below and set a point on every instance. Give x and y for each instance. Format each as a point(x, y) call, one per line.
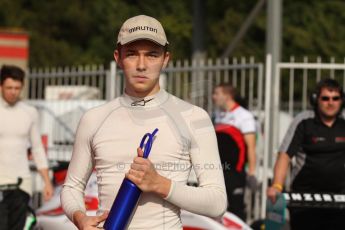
point(108, 136)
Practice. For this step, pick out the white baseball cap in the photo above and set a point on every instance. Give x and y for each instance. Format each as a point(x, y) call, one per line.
point(142, 27)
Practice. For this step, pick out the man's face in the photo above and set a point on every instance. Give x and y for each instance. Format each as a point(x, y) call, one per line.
point(10, 90)
point(142, 62)
point(329, 102)
point(220, 98)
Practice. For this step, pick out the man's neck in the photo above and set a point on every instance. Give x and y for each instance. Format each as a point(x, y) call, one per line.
point(230, 105)
point(328, 121)
point(7, 102)
point(141, 94)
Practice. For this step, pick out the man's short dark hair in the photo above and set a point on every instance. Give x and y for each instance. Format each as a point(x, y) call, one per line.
point(232, 91)
point(228, 89)
point(330, 84)
point(11, 71)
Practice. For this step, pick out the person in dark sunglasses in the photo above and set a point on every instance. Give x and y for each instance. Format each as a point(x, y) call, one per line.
point(316, 139)
point(327, 98)
point(328, 104)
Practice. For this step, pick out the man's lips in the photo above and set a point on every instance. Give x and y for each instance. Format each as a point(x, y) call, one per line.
point(141, 78)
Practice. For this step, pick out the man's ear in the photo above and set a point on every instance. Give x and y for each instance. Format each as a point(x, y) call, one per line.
point(166, 59)
point(117, 58)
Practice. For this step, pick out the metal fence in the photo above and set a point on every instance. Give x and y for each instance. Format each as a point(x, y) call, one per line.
point(194, 81)
point(55, 83)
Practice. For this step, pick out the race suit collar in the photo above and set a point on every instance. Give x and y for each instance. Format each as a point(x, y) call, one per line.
point(146, 102)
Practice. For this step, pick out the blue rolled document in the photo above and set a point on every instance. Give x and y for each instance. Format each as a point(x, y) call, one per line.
point(128, 195)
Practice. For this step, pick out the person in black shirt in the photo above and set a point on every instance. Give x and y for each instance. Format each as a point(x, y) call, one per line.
point(316, 139)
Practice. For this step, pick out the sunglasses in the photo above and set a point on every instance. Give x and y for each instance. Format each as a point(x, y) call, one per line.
point(326, 98)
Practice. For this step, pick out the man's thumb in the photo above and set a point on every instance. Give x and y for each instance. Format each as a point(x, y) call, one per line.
point(140, 152)
point(103, 216)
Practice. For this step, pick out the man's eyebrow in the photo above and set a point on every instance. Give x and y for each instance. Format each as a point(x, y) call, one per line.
point(155, 51)
point(131, 50)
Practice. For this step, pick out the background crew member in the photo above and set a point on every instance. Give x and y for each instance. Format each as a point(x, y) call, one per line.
point(317, 140)
point(18, 126)
point(235, 149)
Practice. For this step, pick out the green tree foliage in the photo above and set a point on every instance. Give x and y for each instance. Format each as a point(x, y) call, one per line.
point(66, 32)
point(314, 28)
point(224, 19)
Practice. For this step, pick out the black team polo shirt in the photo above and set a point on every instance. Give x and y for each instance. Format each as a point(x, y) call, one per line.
point(319, 153)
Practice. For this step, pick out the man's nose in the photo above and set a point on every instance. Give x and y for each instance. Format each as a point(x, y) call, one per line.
point(331, 102)
point(141, 63)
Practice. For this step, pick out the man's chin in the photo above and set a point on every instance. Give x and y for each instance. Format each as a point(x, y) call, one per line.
point(142, 88)
point(330, 115)
point(11, 101)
